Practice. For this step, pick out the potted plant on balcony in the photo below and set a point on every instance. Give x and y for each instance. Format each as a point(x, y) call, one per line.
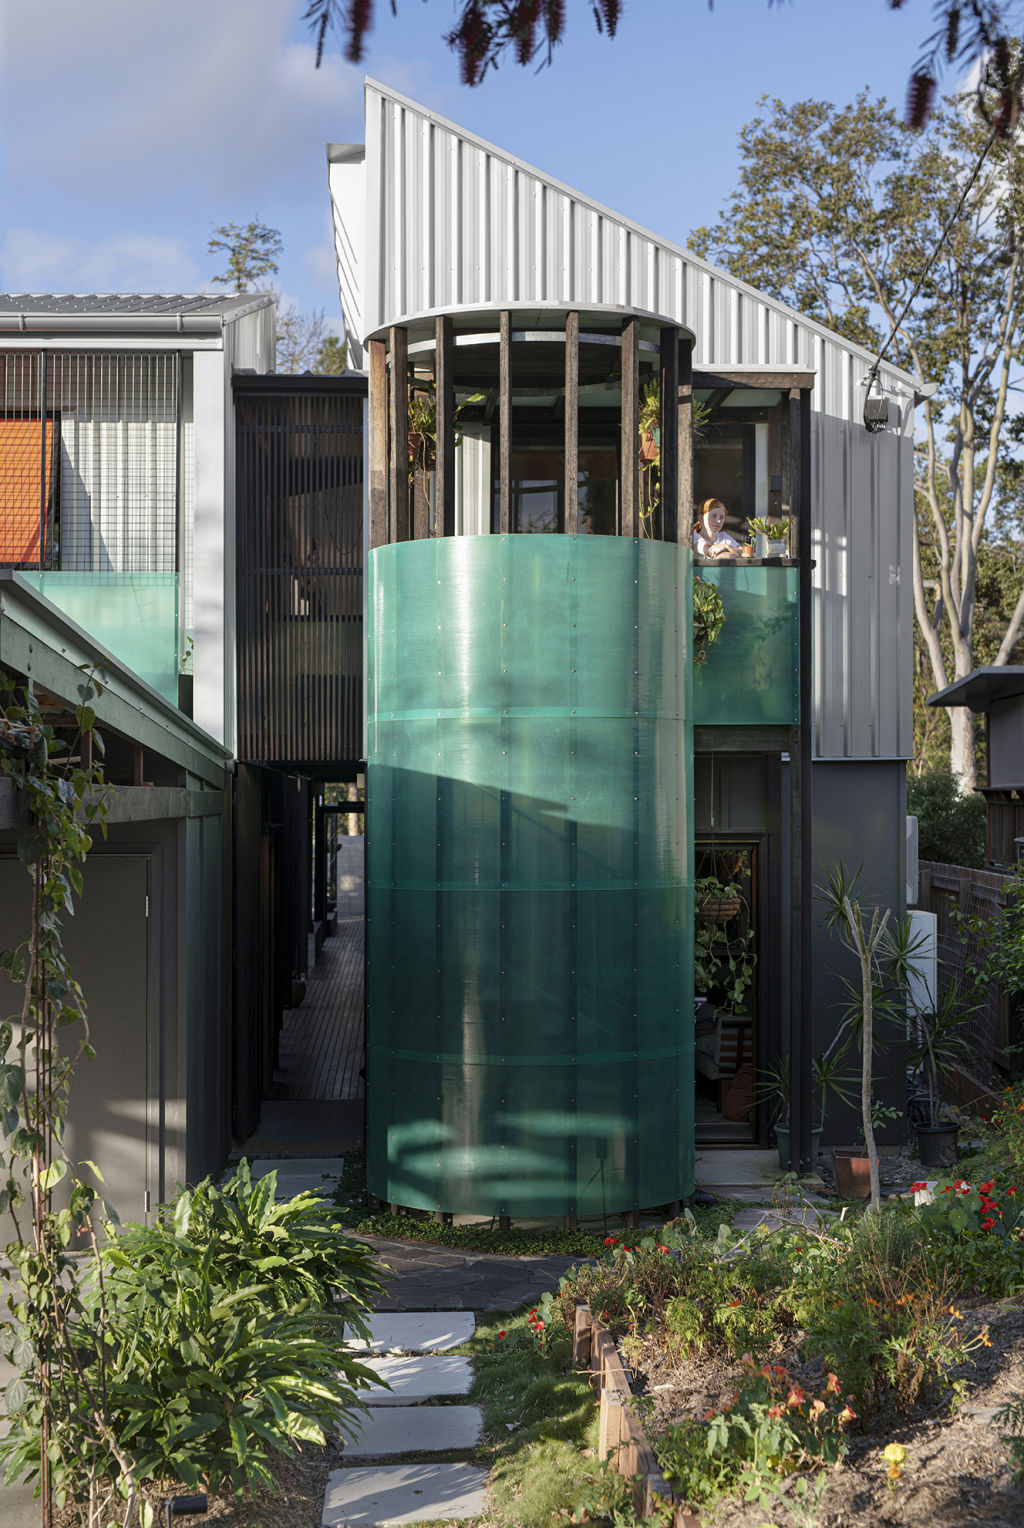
point(770, 537)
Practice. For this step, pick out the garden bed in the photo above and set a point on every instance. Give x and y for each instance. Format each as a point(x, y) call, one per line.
point(956, 1471)
point(840, 1373)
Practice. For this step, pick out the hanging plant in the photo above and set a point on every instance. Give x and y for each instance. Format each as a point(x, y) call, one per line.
point(708, 617)
point(649, 447)
point(423, 426)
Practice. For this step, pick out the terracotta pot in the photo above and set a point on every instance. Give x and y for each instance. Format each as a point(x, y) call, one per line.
point(719, 909)
point(853, 1172)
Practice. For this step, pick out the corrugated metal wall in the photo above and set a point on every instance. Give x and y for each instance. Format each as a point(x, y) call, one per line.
point(299, 551)
point(451, 221)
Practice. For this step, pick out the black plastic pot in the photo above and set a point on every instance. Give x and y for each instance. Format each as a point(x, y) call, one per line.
point(782, 1140)
point(936, 1144)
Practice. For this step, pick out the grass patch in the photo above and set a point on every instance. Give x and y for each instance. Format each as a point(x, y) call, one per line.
point(518, 1241)
point(539, 1417)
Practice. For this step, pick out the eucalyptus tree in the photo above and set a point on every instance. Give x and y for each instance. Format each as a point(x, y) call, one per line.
point(838, 211)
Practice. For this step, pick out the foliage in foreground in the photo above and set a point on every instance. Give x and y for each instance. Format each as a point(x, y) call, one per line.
point(200, 1333)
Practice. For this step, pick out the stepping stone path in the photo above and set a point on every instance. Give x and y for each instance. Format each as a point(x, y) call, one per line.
point(407, 1351)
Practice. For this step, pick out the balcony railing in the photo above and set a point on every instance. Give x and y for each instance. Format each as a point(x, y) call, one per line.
point(751, 677)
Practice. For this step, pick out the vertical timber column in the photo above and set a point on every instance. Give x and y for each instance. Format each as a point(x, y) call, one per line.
point(378, 407)
point(572, 423)
point(684, 433)
point(445, 394)
point(505, 422)
point(398, 475)
point(630, 489)
point(668, 466)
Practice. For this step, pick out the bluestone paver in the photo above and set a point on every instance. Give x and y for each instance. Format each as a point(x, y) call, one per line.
point(386, 1496)
point(418, 1377)
point(390, 1430)
point(416, 1332)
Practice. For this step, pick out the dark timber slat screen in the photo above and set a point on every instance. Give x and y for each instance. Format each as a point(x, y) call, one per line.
point(300, 570)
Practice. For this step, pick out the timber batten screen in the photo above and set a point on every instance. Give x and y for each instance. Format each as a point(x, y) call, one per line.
point(300, 569)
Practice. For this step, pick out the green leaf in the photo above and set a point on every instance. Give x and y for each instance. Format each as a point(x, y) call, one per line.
point(52, 1175)
point(31, 847)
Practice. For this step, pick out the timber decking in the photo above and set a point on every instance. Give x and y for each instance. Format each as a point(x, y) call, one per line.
point(321, 1047)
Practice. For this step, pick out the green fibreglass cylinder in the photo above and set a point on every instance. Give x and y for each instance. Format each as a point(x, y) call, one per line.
point(529, 880)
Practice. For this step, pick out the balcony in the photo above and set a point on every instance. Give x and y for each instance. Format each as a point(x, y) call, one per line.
point(751, 677)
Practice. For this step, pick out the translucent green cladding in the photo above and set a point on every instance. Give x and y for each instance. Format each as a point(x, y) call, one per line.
point(530, 1024)
point(133, 615)
point(752, 674)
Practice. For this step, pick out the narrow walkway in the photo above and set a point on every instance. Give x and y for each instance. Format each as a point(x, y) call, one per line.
point(402, 1421)
point(321, 1049)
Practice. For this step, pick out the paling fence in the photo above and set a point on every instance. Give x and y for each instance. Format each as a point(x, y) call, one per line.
point(948, 890)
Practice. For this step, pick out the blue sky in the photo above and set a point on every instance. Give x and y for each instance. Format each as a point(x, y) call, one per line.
point(131, 128)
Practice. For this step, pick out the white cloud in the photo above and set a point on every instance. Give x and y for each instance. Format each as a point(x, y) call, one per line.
point(187, 97)
point(32, 260)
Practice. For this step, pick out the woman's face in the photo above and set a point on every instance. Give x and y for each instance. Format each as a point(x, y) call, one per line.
point(714, 519)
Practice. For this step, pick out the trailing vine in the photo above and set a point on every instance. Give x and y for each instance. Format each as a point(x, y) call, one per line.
point(60, 788)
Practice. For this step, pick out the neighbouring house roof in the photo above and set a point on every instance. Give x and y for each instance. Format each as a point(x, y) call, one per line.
point(24, 311)
point(981, 687)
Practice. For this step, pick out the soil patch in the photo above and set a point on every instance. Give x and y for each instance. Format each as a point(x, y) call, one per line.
point(957, 1469)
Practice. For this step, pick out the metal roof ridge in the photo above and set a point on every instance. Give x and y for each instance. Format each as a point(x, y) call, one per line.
point(717, 271)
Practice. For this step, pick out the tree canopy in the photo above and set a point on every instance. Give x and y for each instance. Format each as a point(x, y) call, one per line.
point(251, 251)
point(837, 211)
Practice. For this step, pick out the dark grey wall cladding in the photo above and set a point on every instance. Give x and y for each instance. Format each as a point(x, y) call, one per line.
point(149, 1109)
point(859, 811)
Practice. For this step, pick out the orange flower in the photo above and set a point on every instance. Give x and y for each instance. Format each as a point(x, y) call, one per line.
point(817, 1407)
point(832, 1384)
point(795, 1397)
point(733, 1303)
point(847, 1414)
point(775, 1411)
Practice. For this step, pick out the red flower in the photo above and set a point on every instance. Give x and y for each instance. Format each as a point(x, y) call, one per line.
point(918, 1188)
point(986, 1188)
point(1011, 1190)
point(501, 1336)
point(775, 1411)
point(795, 1397)
point(661, 1248)
point(986, 1225)
point(611, 1241)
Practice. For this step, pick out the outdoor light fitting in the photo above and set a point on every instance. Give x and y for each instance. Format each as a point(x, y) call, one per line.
point(876, 414)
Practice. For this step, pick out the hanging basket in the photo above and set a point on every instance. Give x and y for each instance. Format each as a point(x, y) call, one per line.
point(719, 909)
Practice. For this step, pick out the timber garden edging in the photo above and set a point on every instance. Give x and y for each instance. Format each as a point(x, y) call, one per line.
point(621, 1438)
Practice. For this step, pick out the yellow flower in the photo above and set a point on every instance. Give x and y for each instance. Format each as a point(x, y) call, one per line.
point(894, 1453)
